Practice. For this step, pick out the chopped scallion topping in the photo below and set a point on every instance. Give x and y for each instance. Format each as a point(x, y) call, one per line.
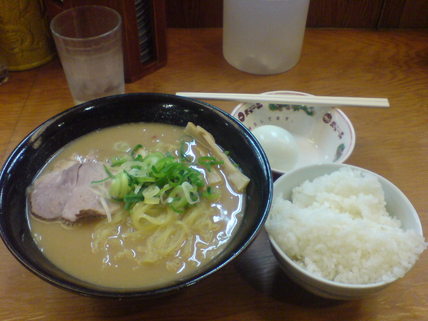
point(208, 162)
point(159, 178)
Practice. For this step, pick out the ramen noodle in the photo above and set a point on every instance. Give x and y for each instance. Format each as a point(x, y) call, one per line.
point(168, 201)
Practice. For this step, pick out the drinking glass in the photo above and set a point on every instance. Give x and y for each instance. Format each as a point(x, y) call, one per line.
point(89, 43)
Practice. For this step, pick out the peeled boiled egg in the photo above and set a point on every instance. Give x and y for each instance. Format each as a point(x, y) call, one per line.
point(279, 146)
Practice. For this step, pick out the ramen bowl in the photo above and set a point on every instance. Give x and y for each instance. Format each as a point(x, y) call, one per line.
point(31, 155)
point(316, 134)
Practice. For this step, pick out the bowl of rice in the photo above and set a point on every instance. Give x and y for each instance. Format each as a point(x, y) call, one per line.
point(342, 232)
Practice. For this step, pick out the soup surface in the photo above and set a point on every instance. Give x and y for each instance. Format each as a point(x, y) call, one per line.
point(113, 252)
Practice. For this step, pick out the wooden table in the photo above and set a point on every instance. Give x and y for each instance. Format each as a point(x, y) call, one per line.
point(392, 142)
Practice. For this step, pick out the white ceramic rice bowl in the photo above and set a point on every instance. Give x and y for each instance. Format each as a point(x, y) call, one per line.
point(323, 134)
point(397, 205)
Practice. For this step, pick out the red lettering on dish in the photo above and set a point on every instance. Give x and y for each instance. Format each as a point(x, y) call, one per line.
point(327, 118)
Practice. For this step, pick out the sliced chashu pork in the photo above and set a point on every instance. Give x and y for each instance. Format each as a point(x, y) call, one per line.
point(236, 177)
point(66, 193)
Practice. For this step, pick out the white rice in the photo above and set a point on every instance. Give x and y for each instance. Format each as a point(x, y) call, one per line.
point(337, 227)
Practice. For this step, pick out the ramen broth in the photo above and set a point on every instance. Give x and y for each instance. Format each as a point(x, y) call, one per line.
point(73, 247)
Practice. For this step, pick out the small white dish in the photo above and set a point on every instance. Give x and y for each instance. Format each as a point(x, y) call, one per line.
point(323, 135)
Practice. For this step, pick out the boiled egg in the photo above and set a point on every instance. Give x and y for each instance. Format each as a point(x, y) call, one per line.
point(279, 145)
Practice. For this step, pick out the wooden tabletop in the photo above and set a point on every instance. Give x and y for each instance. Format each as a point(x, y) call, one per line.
point(392, 142)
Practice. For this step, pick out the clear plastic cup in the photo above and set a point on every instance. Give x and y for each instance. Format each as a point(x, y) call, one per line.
point(89, 43)
point(263, 36)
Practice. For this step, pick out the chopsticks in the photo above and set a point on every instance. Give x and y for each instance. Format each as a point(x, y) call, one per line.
point(291, 99)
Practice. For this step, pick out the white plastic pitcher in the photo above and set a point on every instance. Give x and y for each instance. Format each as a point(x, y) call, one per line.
point(263, 36)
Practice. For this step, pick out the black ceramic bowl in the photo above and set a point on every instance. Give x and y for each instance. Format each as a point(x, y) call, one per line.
point(37, 148)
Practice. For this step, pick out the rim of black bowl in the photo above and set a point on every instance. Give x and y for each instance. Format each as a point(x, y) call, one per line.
point(85, 288)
